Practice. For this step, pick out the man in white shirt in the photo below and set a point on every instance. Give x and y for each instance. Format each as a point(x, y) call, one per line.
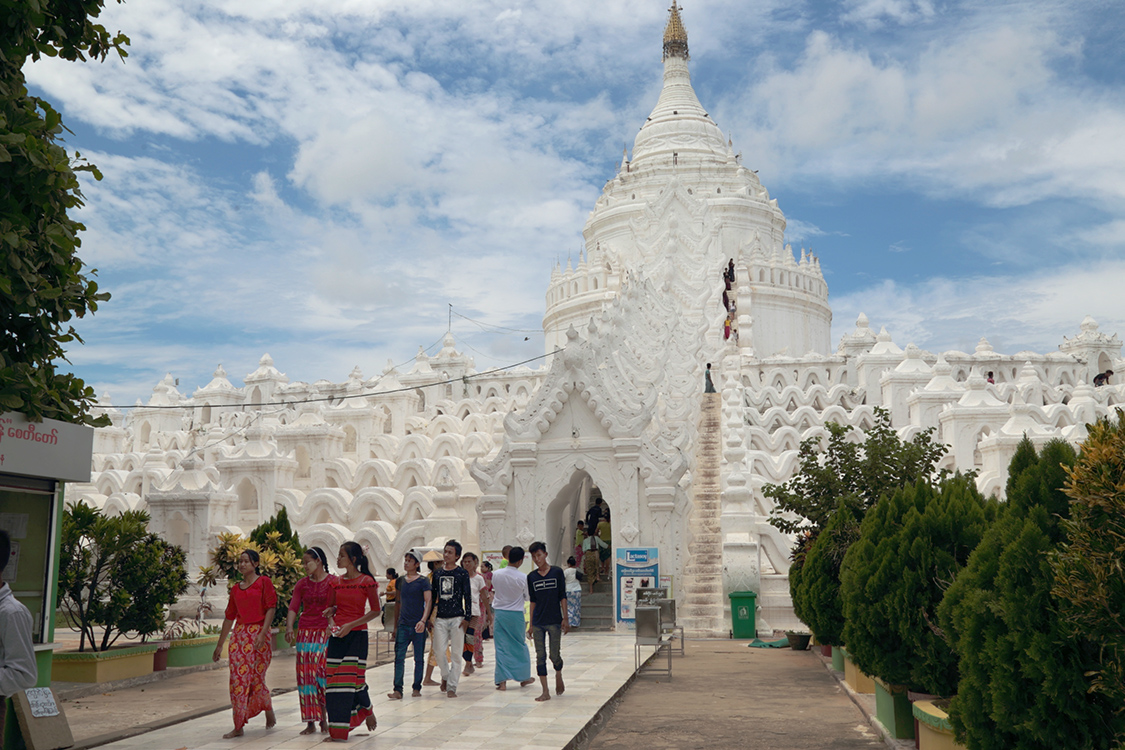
point(509, 593)
point(17, 656)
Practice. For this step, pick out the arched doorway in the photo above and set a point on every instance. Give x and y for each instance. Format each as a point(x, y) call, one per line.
point(563, 514)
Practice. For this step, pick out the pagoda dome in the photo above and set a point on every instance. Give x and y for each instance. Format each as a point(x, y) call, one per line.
point(678, 128)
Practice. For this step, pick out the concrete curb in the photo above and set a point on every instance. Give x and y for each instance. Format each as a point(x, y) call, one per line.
point(598, 721)
point(108, 737)
point(93, 688)
point(865, 709)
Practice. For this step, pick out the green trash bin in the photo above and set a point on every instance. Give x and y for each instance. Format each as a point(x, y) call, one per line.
point(742, 610)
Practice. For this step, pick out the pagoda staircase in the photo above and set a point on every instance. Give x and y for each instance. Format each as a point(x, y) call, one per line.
point(597, 608)
point(703, 614)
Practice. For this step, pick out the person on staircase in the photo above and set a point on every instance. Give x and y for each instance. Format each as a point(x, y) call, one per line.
point(708, 384)
point(579, 537)
point(591, 561)
point(605, 534)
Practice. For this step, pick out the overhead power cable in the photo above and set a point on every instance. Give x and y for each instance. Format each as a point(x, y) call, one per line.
point(294, 402)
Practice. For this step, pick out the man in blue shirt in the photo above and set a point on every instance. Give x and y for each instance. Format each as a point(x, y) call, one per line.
point(547, 588)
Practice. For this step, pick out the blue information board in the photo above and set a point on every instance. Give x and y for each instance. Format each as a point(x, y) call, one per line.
point(637, 568)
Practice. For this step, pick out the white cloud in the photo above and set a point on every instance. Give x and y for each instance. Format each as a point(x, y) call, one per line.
point(1015, 313)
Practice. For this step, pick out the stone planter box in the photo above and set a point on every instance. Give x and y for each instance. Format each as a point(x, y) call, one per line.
point(838, 658)
point(192, 652)
point(103, 666)
point(934, 729)
point(893, 710)
point(854, 676)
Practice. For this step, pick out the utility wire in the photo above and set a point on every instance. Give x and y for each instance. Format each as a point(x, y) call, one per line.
point(463, 378)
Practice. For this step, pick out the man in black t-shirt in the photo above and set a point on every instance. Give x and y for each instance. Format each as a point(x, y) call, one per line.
point(454, 610)
point(547, 587)
point(594, 515)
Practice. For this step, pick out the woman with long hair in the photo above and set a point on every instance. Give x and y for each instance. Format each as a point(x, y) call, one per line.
point(250, 610)
point(310, 599)
point(347, 701)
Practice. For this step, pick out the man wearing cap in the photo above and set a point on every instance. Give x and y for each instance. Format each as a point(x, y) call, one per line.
point(414, 599)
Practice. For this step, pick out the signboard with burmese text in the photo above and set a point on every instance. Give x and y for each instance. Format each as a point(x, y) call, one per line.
point(50, 449)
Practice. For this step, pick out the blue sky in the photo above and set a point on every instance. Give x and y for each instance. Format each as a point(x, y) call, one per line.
point(321, 180)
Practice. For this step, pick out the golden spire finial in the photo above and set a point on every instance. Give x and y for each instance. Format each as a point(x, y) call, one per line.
point(675, 35)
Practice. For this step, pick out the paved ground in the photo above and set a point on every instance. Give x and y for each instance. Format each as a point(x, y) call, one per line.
point(721, 694)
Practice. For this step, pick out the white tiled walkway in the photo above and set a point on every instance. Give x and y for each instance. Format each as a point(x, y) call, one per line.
point(596, 666)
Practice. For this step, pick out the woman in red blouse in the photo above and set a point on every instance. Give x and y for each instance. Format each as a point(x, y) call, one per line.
point(310, 599)
point(250, 610)
point(347, 701)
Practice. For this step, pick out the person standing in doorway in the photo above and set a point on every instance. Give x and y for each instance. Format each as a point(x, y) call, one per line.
point(509, 593)
point(547, 588)
point(594, 514)
point(253, 601)
point(579, 537)
point(310, 636)
point(454, 613)
point(573, 593)
point(605, 549)
point(18, 670)
point(414, 602)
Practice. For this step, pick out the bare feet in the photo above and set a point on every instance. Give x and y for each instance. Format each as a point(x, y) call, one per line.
point(451, 694)
point(468, 670)
point(444, 686)
point(415, 693)
point(560, 688)
point(545, 696)
point(527, 682)
point(502, 685)
point(324, 727)
point(310, 729)
point(395, 696)
point(232, 734)
point(371, 723)
point(429, 683)
point(271, 719)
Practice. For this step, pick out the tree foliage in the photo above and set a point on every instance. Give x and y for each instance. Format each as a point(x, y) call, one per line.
point(279, 552)
point(44, 285)
point(115, 574)
point(816, 593)
point(844, 470)
point(911, 546)
point(1089, 566)
point(1022, 684)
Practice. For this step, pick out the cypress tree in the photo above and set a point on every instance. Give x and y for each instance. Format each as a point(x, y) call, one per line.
point(911, 546)
point(1022, 684)
point(817, 593)
point(1089, 578)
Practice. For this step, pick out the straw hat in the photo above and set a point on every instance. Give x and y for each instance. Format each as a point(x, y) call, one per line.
point(432, 556)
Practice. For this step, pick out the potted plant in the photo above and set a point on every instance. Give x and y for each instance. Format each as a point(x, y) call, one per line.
point(798, 640)
point(190, 640)
point(116, 576)
point(912, 543)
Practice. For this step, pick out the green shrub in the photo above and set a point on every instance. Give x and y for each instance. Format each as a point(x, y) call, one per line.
point(911, 546)
point(816, 597)
point(1022, 683)
point(113, 573)
point(1089, 566)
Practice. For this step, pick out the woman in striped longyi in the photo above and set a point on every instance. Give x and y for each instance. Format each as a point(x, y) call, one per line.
point(310, 599)
point(347, 700)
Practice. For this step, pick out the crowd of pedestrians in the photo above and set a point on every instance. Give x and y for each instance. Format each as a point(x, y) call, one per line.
point(454, 607)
